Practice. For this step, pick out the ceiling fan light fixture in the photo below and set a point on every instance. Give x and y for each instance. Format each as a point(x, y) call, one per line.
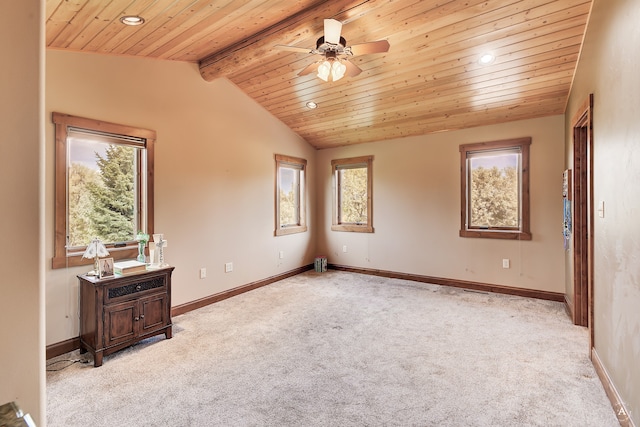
point(132, 20)
point(331, 69)
point(333, 47)
point(337, 70)
point(324, 71)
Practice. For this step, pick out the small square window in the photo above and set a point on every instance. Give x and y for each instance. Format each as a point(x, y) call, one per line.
point(495, 189)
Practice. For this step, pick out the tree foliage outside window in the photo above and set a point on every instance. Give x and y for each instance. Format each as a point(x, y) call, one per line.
point(494, 192)
point(81, 228)
point(102, 198)
point(495, 189)
point(353, 200)
point(289, 196)
point(353, 195)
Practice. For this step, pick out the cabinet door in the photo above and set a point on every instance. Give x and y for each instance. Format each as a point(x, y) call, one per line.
point(153, 313)
point(120, 322)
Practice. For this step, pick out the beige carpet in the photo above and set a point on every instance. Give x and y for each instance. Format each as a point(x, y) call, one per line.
point(344, 349)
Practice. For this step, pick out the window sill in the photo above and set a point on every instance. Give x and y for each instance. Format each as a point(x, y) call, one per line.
point(290, 230)
point(496, 234)
point(77, 260)
point(352, 228)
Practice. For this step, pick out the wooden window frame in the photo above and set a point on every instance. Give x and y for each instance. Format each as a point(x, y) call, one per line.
point(62, 258)
point(524, 232)
point(336, 165)
point(301, 165)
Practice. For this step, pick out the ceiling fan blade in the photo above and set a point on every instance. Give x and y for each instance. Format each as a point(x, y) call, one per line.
point(370, 47)
point(352, 69)
point(293, 48)
point(332, 30)
point(309, 69)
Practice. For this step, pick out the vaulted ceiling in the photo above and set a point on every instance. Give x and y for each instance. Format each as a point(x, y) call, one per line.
point(430, 80)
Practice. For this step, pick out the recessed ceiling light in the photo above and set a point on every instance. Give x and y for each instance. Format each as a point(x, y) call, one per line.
point(311, 105)
point(132, 20)
point(486, 58)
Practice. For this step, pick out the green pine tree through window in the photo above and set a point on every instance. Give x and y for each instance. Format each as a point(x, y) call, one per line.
point(102, 192)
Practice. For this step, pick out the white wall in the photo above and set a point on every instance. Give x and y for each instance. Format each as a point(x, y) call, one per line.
point(214, 173)
point(416, 210)
point(608, 68)
point(21, 217)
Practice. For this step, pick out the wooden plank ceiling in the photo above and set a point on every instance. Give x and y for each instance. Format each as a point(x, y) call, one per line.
point(429, 81)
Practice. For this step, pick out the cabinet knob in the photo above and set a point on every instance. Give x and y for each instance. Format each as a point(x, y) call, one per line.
point(142, 316)
point(138, 287)
point(136, 319)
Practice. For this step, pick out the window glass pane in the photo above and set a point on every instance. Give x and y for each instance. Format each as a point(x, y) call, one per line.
point(102, 191)
point(289, 196)
point(353, 195)
point(494, 190)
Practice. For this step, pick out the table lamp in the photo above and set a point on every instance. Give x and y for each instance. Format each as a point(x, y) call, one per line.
point(95, 250)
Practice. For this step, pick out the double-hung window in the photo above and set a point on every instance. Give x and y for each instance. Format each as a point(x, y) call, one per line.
point(495, 189)
point(290, 195)
point(104, 187)
point(353, 194)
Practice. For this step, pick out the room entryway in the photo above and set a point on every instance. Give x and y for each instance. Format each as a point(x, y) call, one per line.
point(582, 124)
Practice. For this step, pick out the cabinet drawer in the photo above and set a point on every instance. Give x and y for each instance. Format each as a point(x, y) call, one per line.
point(134, 288)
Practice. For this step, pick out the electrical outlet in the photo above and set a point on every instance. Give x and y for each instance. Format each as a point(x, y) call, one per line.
point(505, 263)
point(203, 273)
point(344, 248)
point(281, 254)
point(228, 267)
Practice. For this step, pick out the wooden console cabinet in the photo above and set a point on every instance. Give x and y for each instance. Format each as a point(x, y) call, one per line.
point(118, 311)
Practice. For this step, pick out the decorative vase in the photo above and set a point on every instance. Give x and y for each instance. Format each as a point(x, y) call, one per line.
point(141, 257)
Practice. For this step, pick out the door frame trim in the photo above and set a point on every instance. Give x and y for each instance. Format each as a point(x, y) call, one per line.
point(582, 134)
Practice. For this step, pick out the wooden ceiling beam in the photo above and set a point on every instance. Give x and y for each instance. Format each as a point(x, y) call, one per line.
point(292, 29)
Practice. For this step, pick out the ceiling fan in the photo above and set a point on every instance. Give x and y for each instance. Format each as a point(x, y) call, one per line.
point(336, 53)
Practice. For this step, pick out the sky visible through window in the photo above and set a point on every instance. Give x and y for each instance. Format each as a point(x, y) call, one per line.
point(287, 176)
point(500, 161)
point(83, 151)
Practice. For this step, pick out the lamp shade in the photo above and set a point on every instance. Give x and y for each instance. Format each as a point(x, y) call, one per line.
point(333, 69)
point(95, 249)
point(324, 70)
point(337, 70)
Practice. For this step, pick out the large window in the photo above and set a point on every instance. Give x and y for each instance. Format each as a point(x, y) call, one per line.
point(495, 189)
point(104, 187)
point(353, 200)
point(290, 195)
